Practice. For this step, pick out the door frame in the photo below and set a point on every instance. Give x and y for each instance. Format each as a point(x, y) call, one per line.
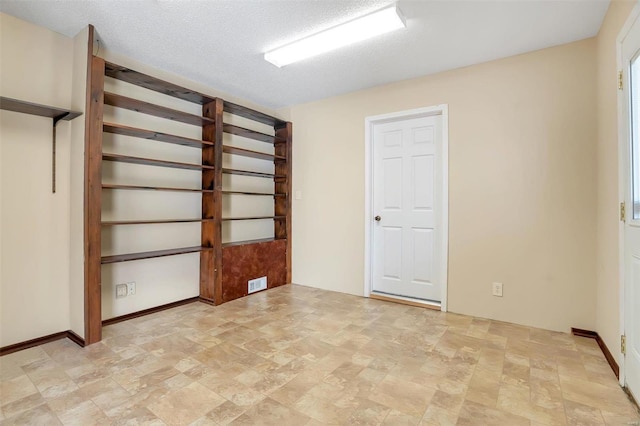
point(624, 174)
point(437, 110)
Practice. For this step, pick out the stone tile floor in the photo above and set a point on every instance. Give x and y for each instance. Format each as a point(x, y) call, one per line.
point(301, 356)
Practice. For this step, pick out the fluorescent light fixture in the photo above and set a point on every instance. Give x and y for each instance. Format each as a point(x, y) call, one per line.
point(363, 28)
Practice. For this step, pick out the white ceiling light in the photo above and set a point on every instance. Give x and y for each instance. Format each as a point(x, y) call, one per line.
point(363, 28)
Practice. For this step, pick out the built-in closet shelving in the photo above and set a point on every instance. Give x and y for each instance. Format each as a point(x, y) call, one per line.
point(215, 257)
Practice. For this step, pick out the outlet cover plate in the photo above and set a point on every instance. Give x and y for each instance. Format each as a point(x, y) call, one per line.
point(131, 288)
point(121, 291)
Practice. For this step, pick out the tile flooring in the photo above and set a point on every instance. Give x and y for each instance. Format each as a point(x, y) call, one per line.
point(301, 356)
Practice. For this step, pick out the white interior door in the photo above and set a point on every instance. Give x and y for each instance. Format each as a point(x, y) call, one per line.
point(631, 113)
point(407, 165)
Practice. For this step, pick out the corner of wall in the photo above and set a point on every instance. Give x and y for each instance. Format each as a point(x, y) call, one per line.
point(76, 230)
point(36, 66)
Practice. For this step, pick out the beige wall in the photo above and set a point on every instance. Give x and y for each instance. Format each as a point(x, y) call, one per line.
point(41, 234)
point(36, 65)
point(522, 174)
point(608, 277)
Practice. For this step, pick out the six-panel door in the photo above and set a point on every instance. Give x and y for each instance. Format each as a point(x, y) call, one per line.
point(406, 166)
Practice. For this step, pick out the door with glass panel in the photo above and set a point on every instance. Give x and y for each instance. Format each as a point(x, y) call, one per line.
point(630, 211)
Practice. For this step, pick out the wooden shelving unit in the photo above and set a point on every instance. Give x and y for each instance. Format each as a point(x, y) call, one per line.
point(250, 134)
point(241, 243)
point(151, 254)
point(251, 154)
point(119, 129)
point(214, 261)
point(252, 174)
point(152, 222)
point(253, 218)
point(261, 194)
point(153, 162)
point(56, 115)
point(24, 107)
point(260, 117)
point(152, 188)
point(155, 110)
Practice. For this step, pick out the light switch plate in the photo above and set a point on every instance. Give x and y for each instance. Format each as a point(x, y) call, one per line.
point(497, 289)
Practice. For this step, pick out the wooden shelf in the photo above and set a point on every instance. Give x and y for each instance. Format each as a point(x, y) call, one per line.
point(264, 194)
point(155, 84)
point(151, 162)
point(16, 105)
point(152, 222)
point(241, 243)
point(254, 218)
point(120, 101)
point(251, 114)
point(252, 154)
point(250, 134)
point(120, 129)
point(56, 114)
point(152, 188)
point(160, 188)
point(250, 173)
point(151, 254)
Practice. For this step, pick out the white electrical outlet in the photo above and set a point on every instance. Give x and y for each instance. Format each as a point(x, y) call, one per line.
point(298, 195)
point(257, 284)
point(121, 291)
point(131, 288)
point(497, 289)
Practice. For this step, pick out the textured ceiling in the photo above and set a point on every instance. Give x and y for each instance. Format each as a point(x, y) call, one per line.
point(220, 42)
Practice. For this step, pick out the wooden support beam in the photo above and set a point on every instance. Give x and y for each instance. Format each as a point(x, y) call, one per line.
point(282, 226)
point(211, 260)
point(93, 196)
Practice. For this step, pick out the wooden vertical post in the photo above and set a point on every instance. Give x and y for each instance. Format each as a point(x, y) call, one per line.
point(211, 260)
point(53, 155)
point(93, 196)
point(283, 185)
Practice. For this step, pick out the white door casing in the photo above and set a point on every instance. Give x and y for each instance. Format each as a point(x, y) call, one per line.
point(629, 113)
point(406, 187)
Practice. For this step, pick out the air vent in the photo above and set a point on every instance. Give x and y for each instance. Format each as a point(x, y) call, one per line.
point(257, 284)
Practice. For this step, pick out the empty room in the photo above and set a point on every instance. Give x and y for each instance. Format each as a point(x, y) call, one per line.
point(305, 212)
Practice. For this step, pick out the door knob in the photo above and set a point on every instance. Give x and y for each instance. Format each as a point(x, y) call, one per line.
point(377, 218)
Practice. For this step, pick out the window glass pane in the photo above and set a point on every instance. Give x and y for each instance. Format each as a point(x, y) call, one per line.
point(635, 134)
